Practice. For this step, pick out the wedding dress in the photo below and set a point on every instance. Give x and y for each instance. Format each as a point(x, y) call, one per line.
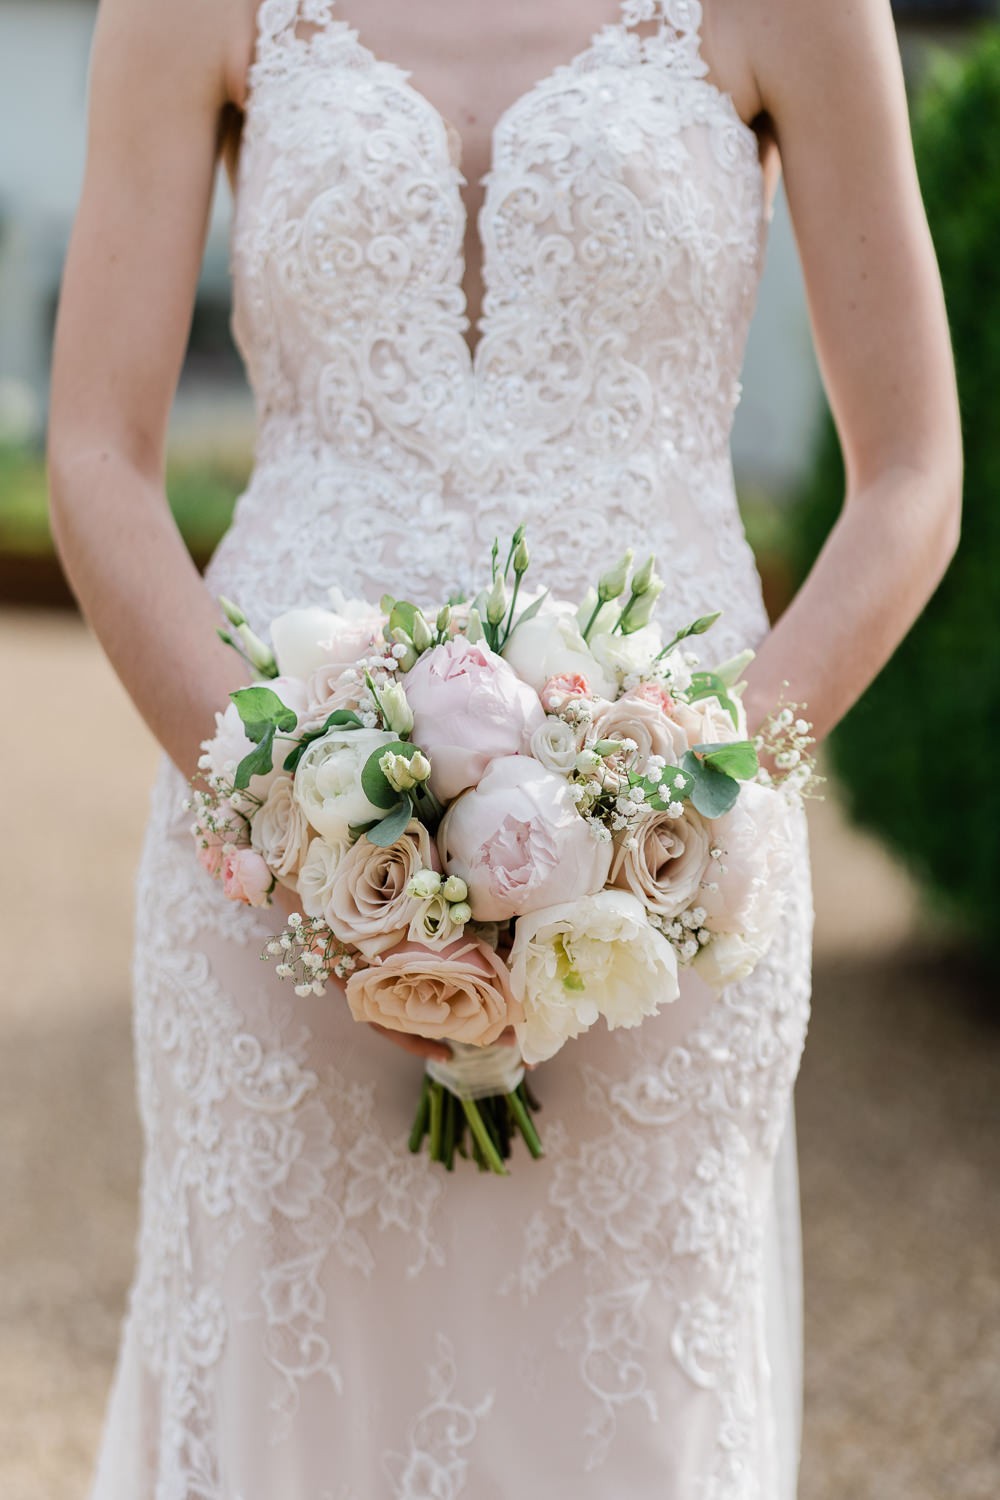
point(317, 1314)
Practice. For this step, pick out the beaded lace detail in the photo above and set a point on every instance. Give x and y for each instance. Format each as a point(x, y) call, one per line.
point(594, 1325)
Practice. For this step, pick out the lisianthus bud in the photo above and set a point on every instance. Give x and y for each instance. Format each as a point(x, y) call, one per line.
point(496, 601)
point(522, 557)
point(640, 610)
point(612, 583)
point(395, 710)
point(460, 913)
point(732, 670)
point(396, 770)
point(642, 580)
point(587, 762)
point(455, 889)
point(387, 604)
point(232, 611)
point(425, 884)
point(474, 629)
point(423, 640)
point(258, 654)
point(420, 766)
point(443, 619)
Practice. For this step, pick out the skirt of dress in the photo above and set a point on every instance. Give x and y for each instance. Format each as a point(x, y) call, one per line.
point(317, 1314)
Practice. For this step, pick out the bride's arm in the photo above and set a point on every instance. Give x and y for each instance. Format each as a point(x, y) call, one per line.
point(829, 76)
point(157, 87)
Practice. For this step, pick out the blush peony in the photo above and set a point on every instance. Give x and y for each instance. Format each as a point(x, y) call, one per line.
point(468, 708)
point(518, 842)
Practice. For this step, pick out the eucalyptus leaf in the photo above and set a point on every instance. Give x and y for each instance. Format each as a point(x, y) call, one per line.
point(261, 709)
point(713, 792)
point(393, 825)
point(738, 758)
point(259, 762)
point(374, 782)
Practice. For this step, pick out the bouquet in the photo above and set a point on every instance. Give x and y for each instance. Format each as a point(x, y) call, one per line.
point(505, 820)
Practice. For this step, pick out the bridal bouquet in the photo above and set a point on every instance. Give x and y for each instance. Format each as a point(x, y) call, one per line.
point(504, 820)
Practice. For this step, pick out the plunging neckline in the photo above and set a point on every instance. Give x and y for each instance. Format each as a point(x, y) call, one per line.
point(450, 131)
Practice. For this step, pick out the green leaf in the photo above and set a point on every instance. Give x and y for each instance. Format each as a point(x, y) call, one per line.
point(393, 825)
point(713, 792)
point(737, 758)
point(402, 617)
point(373, 779)
point(261, 709)
point(259, 762)
point(711, 685)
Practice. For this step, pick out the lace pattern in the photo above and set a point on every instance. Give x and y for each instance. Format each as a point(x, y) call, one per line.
point(300, 1274)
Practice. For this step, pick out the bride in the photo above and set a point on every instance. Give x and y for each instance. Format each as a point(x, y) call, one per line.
point(491, 265)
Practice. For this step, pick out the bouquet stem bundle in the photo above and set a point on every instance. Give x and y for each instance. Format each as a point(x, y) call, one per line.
point(442, 1119)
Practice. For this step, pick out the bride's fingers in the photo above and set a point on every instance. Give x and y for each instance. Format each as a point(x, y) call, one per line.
point(420, 1046)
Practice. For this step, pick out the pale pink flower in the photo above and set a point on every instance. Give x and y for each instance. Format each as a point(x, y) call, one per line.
point(656, 693)
point(468, 708)
point(245, 876)
point(460, 993)
point(645, 722)
point(560, 689)
point(519, 842)
point(369, 905)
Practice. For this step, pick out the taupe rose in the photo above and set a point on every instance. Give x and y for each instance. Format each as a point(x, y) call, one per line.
point(281, 832)
point(636, 718)
point(668, 864)
point(369, 904)
point(460, 993)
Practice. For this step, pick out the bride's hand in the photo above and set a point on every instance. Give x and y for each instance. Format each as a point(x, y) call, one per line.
point(287, 902)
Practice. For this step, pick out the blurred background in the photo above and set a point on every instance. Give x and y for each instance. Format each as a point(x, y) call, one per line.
point(898, 1103)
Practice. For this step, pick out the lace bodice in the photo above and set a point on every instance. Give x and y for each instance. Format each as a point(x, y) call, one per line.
point(622, 231)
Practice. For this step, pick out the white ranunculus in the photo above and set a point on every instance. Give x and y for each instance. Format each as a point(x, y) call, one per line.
point(594, 957)
point(550, 645)
point(315, 880)
point(280, 831)
point(328, 780)
point(556, 745)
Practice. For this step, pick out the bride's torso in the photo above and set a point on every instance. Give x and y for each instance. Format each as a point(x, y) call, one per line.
point(621, 223)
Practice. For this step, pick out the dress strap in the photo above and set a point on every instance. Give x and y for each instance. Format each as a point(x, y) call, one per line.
point(282, 23)
point(676, 41)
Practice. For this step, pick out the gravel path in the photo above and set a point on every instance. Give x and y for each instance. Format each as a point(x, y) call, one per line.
point(898, 1109)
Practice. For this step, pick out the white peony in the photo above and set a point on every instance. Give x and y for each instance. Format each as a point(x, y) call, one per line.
point(752, 878)
point(555, 744)
point(550, 645)
point(594, 957)
point(280, 831)
point(305, 639)
point(328, 780)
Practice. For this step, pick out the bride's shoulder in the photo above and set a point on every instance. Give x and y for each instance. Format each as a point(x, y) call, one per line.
point(191, 47)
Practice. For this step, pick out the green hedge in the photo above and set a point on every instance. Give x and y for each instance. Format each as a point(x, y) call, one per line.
point(918, 755)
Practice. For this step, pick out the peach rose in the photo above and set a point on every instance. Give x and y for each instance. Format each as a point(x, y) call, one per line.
point(460, 993)
point(560, 689)
point(369, 905)
point(636, 718)
point(245, 876)
point(667, 866)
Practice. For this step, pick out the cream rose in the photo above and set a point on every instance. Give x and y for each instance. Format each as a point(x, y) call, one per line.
point(706, 722)
point(280, 831)
point(670, 861)
point(370, 906)
point(460, 993)
point(575, 962)
point(328, 781)
point(315, 878)
point(555, 745)
point(637, 718)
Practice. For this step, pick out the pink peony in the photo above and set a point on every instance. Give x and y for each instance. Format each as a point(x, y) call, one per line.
point(245, 876)
point(468, 707)
point(518, 842)
point(460, 993)
point(560, 689)
point(655, 693)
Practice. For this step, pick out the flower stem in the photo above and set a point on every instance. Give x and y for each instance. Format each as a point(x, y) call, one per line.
point(482, 1138)
point(450, 1121)
point(523, 1121)
point(436, 1113)
point(421, 1118)
point(590, 623)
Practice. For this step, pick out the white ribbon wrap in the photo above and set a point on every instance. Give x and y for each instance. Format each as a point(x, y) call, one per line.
point(477, 1072)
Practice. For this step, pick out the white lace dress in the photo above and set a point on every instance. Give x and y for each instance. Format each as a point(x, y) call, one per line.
point(317, 1314)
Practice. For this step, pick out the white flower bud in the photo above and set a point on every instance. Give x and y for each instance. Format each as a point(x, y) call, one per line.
point(496, 601)
point(425, 884)
point(395, 710)
point(396, 770)
point(612, 583)
point(420, 766)
point(422, 637)
point(460, 913)
point(455, 889)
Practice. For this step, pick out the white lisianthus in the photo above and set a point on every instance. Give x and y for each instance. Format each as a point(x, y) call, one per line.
point(555, 744)
point(396, 710)
point(550, 645)
point(280, 831)
point(315, 879)
point(594, 957)
point(328, 780)
point(627, 653)
point(433, 925)
point(729, 957)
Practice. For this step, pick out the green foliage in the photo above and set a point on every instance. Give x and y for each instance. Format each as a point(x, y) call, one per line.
point(940, 693)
